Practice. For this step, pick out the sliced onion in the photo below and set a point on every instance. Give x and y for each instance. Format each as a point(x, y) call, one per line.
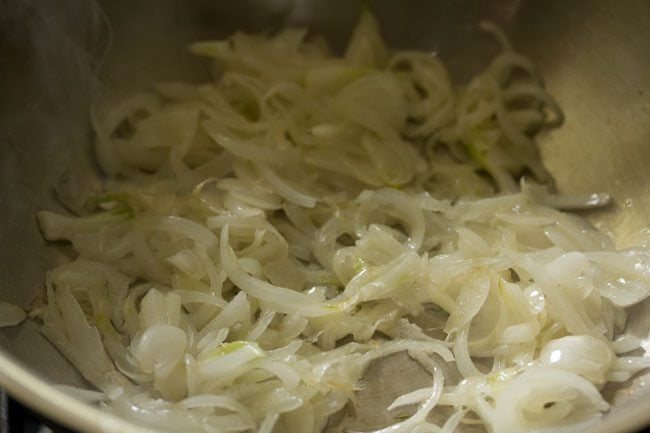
point(586, 355)
point(160, 348)
point(546, 399)
point(279, 298)
point(10, 314)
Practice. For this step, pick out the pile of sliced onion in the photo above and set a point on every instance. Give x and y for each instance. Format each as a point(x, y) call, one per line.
point(262, 238)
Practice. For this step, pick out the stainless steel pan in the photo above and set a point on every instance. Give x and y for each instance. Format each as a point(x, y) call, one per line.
point(57, 56)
